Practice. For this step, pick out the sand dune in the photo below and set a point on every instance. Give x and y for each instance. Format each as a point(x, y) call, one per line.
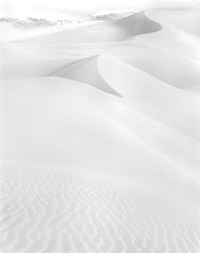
point(171, 101)
point(100, 137)
point(169, 56)
point(17, 63)
point(186, 19)
point(164, 64)
point(138, 24)
point(115, 77)
point(86, 71)
point(118, 30)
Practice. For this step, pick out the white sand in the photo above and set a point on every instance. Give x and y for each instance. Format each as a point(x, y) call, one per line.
point(100, 138)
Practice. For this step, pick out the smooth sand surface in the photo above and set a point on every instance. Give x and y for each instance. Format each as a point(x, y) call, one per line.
point(100, 138)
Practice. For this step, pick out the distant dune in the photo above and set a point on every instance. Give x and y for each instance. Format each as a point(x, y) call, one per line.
point(118, 30)
point(138, 24)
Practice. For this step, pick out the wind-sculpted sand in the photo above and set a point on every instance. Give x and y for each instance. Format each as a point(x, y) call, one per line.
point(100, 137)
point(47, 208)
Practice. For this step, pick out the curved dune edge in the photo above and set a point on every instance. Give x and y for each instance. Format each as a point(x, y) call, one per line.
point(164, 64)
point(111, 75)
point(86, 71)
point(132, 84)
point(184, 20)
point(137, 24)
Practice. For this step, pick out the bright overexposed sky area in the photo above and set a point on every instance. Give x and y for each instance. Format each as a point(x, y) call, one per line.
point(73, 8)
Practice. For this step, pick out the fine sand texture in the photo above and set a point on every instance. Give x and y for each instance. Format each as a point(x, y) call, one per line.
point(100, 136)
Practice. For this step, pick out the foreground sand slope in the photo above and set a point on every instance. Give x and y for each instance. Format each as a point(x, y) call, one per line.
point(65, 209)
point(58, 111)
point(104, 179)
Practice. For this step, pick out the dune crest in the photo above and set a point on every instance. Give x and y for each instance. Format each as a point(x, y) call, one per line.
point(86, 71)
point(137, 24)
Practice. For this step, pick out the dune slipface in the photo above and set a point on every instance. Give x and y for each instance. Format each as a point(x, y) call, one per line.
point(138, 24)
point(100, 138)
point(86, 70)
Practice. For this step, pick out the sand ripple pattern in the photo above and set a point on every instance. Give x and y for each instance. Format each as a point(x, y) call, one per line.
point(46, 209)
